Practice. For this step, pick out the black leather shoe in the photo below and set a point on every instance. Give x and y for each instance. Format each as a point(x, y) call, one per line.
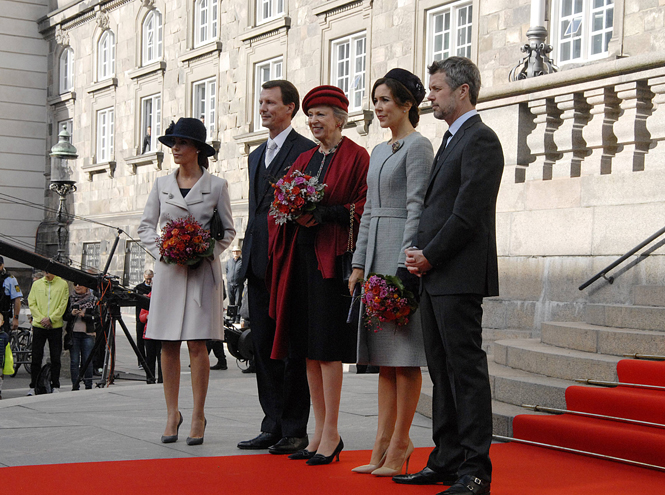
point(263, 441)
point(220, 366)
point(303, 454)
point(468, 484)
point(289, 445)
point(425, 477)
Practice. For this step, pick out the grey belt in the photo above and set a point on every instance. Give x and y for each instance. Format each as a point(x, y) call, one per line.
point(389, 212)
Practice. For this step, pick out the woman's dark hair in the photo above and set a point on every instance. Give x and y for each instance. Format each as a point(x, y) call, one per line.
point(203, 160)
point(402, 96)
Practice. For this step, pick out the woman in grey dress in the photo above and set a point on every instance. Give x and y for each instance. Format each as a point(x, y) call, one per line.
point(397, 180)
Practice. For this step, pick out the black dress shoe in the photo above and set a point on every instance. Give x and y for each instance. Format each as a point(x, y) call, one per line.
point(289, 445)
point(467, 485)
point(320, 459)
point(303, 454)
point(263, 441)
point(220, 366)
point(426, 477)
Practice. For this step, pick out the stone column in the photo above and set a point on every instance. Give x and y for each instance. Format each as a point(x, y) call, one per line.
point(568, 136)
point(540, 141)
point(631, 131)
point(656, 125)
point(599, 131)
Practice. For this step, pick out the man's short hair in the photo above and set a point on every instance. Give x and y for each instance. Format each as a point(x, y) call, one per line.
point(458, 71)
point(289, 93)
point(148, 273)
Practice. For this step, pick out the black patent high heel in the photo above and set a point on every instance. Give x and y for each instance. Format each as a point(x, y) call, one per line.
point(197, 440)
point(173, 438)
point(320, 459)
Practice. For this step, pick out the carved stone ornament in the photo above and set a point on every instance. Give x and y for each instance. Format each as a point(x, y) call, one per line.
point(148, 4)
point(102, 19)
point(61, 36)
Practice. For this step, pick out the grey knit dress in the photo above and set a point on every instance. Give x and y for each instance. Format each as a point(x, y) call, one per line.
point(396, 185)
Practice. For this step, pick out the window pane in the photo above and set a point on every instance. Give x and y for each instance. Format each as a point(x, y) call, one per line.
point(577, 48)
point(566, 8)
point(596, 44)
point(597, 22)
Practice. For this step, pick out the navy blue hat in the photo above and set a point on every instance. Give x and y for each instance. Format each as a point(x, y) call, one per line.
point(410, 81)
point(187, 128)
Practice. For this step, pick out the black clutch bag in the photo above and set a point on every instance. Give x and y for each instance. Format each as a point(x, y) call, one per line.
point(343, 261)
point(354, 309)
point(216, 226)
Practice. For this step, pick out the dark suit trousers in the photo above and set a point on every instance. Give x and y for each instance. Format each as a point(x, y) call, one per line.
point(282, 384)
point(461, 402)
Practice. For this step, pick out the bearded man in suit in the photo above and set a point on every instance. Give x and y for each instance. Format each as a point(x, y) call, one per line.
point(456, 259)
point(282, 384)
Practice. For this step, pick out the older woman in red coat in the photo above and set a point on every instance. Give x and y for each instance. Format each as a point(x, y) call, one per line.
point(308, 298)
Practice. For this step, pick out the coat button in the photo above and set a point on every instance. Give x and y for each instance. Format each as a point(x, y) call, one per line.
point(170, 196)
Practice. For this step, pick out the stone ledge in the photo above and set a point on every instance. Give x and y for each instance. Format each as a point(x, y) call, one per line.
point(249, 139)
point(106, 83)
point(333, 5)
point(201, 51)
point(147, 70)
point(154, 158)
point(264, 29)
point(61, 98)
point(361, 120)
point(100, 168)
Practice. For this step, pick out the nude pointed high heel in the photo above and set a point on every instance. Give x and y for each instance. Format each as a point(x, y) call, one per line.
point(387, 471)
point(368, 468)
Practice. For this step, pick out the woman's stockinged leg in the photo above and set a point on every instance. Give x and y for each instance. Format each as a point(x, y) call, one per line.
point(315, 382)
point(171, 371)
point(408, 383)
point(200, 363)
point(331, 374)
point(387, 413)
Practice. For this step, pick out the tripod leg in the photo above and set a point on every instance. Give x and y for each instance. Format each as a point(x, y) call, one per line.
point(99, 341)
point(149, 375)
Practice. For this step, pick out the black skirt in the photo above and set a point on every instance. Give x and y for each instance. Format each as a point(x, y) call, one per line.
point(318, 328)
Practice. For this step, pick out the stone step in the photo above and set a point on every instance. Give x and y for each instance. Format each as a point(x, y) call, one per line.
point(517, 387)
point(503, 415)
point(624, 316)
point(503, 313)
point(535, 357)
point(601, 339)
point(490, 335)
point(649, 295)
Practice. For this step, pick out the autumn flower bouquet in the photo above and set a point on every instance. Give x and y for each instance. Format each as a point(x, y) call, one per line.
point(386, 299)
point(294, 194)
point(185, 242)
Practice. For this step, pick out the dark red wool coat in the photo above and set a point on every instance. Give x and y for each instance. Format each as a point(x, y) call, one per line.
point(346, 180)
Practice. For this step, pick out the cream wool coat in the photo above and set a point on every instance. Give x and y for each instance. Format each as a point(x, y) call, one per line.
point(186, 304)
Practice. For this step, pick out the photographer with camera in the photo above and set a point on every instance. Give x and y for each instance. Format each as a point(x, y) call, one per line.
point(81, 321)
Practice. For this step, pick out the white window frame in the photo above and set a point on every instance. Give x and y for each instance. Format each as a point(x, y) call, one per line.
point(204, 103)
point(151, 115)
point(106, 55)
point(266, 10)
point(91, 255)
point(348, 67)
point(105, 135)
point(580, 25)
point(152, 35)
point(205, 21)
point(265, 71)
point(458, 33)
point(66, 70)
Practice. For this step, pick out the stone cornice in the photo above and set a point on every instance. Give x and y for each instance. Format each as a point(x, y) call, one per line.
point(336, 6)
point(159, 66)
point(154, 158)
point(106, 83)
point(263, 30)
point(99, 168)
point(249, 139)
point(200, 52)
point(61, 98)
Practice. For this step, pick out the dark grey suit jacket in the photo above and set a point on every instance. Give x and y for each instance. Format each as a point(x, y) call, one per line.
point(255, 245)
point(457, 230)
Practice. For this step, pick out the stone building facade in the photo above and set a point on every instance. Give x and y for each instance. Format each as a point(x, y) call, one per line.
point(23, 130)
point(583, 147)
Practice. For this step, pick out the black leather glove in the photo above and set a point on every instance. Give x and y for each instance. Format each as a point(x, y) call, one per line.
point(411, 282)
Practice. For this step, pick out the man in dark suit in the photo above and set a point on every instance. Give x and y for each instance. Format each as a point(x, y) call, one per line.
point(456, 259)
point(282, 385)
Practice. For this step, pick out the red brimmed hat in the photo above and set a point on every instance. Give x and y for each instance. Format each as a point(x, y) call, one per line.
point(325, 95)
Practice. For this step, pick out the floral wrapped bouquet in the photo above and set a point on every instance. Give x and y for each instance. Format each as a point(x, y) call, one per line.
point(386, 299)
point(185, 242)
point(294, 194)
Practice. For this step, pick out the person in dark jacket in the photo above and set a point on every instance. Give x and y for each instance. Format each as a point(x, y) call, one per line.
point(82, 317)
point(234, 281)
point(143, 288)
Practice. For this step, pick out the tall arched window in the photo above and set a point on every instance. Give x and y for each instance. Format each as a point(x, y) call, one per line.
point(66, 70)
point(152, 37)
point(106, 56)
point(205, 21)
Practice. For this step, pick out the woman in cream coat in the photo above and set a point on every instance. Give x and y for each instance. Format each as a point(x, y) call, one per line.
point(396, 183)
point(186, 302)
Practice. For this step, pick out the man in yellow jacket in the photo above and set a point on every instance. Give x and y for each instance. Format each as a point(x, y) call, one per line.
point(48, 301)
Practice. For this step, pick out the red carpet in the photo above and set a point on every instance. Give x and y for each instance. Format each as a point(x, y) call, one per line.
point(615, 438)
point(518, 470)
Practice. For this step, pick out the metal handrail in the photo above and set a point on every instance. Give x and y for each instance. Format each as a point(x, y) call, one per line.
point(603, 272)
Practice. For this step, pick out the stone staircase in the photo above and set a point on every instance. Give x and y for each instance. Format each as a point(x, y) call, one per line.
point(538, 371)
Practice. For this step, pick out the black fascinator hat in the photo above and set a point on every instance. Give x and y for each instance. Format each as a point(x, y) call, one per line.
point(410, 81)
point(187, 128)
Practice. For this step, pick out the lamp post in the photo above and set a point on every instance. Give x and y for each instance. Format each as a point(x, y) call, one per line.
point(62, 184)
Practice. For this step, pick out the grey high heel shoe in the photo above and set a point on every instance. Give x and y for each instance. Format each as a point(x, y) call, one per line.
point(197, 440)
point(172, 438)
